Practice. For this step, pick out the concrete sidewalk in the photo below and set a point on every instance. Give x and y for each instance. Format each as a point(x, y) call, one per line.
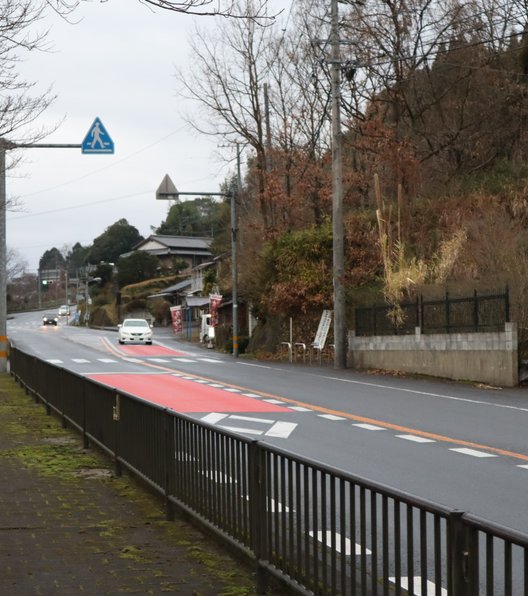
point(69, 526)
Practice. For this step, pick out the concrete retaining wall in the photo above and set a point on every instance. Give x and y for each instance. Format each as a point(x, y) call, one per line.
point(483, 357)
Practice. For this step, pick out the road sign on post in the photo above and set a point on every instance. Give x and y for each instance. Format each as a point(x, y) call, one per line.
point(97, 139)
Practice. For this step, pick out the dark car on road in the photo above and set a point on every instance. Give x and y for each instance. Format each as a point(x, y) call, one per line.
point(50, 320)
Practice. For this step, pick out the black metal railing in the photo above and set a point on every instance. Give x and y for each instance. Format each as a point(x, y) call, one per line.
point(477, 313)
point(315, 528)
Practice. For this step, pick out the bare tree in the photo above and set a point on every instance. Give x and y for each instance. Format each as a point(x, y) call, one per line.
point(224, 8)
point(226, 79)
point(19, 109)
point(16, 265)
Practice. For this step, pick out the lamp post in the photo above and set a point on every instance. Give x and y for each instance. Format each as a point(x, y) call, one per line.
point(168, 190)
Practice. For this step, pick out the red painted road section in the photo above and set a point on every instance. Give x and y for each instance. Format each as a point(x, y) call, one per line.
point(182, 395)
point(154, 351)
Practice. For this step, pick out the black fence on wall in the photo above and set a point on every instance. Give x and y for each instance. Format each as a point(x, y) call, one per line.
point(315, 528)
point(477, 313)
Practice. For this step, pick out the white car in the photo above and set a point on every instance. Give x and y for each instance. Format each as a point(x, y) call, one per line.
point(134, 330)
point(64, 311)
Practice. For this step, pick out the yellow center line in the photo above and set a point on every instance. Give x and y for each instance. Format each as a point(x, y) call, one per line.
point(354, 417)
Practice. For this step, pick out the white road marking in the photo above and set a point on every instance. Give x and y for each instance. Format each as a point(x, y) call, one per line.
point(251, 419)
point(327, 541)
point(107, 360)
point(54, 361)
point(81, 360)
point(415, 438)
point(161, 360)
point(232, 390)
point(185, 360)
point(271, 401)
point(216, 385)
point(279, 429)
point(183, 456)
point(368, 426)
point(282, 430)
point(417, 586)
point(214, 417)
point(300, 409)
point(239, 429)
point(276, 506)
point(525, 466)
point(212, 360)
point(473, 452)
point(217, 476)
point(331, 417)
point(251, 395)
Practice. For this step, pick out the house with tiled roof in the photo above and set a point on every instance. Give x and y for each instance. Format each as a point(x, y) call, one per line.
point(172, 250)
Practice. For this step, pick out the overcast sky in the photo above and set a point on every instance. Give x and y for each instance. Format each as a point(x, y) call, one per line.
point(117, 64)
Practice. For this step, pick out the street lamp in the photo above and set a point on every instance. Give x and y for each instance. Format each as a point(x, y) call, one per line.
point(168, 191)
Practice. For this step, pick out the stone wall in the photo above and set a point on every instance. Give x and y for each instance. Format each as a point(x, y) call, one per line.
point(490, 358)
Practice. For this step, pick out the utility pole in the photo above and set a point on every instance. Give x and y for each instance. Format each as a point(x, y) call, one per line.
point(337, 196)
point(234, 254)
point(3, 262)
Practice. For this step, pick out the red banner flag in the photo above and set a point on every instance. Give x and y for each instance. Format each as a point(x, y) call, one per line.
point(214, 303)
point(177, 321)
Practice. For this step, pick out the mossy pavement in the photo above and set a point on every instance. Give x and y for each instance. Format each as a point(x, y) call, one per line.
point(69, 526)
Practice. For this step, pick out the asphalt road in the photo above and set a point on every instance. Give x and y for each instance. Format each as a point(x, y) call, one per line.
point(460, 445)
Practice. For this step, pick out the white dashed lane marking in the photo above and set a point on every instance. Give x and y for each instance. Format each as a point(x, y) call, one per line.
point(473, 452)
point(368, 426)
point(417, 586)
point(326, 538)
point(415, 439)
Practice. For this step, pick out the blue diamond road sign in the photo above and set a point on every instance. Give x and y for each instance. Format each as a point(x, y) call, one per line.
point(97, 140)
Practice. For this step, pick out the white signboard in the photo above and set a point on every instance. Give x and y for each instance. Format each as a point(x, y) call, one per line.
point(322, 330)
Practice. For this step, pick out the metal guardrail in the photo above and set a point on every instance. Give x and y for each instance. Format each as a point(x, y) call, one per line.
point(316, 529)
point(477, 313)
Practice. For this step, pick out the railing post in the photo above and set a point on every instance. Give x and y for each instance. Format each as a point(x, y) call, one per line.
point(507, 304)
point(168, 459)
point(86, 440)
point(257, 511)
point(463, 557)
point(116, 414)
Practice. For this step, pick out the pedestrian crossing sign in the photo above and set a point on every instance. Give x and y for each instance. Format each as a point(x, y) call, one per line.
point(97, 139)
